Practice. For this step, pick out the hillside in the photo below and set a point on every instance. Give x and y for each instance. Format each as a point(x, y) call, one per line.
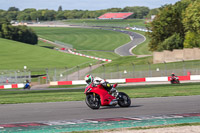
point(84, 38)
point(16, 55)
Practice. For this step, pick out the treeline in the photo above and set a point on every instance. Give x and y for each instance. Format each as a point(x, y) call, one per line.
point(176, 26)
point(32, 14)
point(17, 33)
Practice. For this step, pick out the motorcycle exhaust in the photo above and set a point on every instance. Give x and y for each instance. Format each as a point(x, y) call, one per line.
point(113, 102)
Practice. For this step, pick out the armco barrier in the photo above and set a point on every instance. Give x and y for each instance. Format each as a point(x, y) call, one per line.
point(129, 80)
point(11, 86)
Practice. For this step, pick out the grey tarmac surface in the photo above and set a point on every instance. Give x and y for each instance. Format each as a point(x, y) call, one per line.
point(126, 50)
point(77, 110)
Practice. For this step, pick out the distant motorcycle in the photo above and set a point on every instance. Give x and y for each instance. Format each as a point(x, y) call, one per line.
point(174, 80)
point(98, 96)
point(27, 86)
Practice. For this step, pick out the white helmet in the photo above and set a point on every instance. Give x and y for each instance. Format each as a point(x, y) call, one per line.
point(88, 79)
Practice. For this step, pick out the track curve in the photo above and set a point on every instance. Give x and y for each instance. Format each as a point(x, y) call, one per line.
point(126, 50)
point(77, 110)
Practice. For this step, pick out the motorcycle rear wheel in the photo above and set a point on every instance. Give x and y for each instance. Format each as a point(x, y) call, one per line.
point(93, 103)
point(124, 100)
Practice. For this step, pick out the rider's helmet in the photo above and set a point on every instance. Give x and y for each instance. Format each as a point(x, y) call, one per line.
point(173, 74)
point(88, 79)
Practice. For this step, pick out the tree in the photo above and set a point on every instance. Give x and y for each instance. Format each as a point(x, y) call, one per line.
point(173, 42)
point(6, 31)
point(60, 16)
point(192, 39)
point(114, 10)
point(11, 15)
point(29, 10)
point(153, 12)
point(17, 33)
point(59, 8)
point(48, 15)
point(191, 19)
point(166, 23)
point(21, 16)
point(34, 15)
point(138, 12)
point(13, 9)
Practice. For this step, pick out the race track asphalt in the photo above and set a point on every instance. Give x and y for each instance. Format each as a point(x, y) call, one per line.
point(78, 110)
point(126, 50)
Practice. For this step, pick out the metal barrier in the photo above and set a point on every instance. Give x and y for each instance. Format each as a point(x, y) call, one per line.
point(44, 76)
point(14, 77)
point(128, 71)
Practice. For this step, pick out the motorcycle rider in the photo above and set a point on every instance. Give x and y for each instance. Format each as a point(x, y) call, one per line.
point(174, 79)
point(173, 75)
point(98, 81)
point(27, 85)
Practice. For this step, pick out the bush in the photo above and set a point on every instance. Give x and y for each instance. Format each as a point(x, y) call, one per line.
point(173, 42)
point(18, 33)
point(191, 40)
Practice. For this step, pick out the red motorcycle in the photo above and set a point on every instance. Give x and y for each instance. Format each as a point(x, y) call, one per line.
point(174, 80)
point(97, 96)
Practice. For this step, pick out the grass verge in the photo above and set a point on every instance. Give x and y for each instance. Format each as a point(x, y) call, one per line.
point(142, 49)
point(34, 96)
point(16, 55)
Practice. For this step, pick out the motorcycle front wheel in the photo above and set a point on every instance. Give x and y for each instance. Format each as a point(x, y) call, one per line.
point(93, 102)
point(124, 100)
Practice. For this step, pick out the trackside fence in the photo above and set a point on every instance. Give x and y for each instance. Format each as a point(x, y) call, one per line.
point(14, 76)
point(128, 71)
point(44, 76)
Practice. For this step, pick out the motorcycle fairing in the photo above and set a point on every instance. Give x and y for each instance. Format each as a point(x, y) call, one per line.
point(105, 97)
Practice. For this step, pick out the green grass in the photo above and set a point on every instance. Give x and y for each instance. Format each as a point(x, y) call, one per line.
point(16, 55)
point(145, 64)
point(33, 96)
point(101, 39)
point(101, 54)
point(125, 63)
point(95, 22)
point(141, 49)
point(45, 45)
point(128, 60)
point(184, 89)
point(84, 39)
